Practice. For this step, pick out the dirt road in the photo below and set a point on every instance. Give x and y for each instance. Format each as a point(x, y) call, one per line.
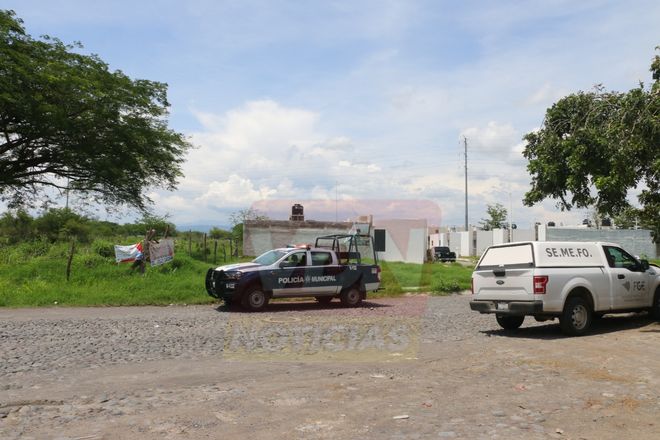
point(407, 368)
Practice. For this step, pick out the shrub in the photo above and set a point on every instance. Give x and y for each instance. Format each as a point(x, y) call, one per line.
point(446, 286)
point(103, 248)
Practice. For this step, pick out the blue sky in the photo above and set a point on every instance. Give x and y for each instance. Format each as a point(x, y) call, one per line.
point(359, 100)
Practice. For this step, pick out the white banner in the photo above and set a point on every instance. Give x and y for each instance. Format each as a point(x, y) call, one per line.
point(125, 254)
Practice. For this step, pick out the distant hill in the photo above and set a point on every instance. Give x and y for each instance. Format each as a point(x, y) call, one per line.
point(183, 227)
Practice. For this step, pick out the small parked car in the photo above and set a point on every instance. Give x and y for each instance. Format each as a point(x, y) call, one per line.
point(443, 254)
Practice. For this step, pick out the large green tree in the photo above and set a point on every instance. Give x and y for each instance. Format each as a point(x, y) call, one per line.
point(67, 121)
point(594, 147)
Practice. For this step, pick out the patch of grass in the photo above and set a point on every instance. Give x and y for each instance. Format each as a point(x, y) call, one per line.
point(437, 278)
point(34, 275)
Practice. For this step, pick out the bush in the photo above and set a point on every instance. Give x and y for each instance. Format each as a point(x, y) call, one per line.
point(103, 248)
point(31, 249)
point(92, 260)
point(446, 286)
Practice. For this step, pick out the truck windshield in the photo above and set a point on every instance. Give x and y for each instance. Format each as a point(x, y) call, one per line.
point(508, 256)
point(269, 257)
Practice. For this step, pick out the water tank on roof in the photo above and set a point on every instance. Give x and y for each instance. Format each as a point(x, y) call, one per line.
point(297, 213)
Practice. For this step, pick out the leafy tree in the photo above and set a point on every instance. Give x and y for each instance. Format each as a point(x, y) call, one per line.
point(218, 234)
point(62, 223)
point(16, 227)
point(238, 220)
point(150, 221)
point(246, 214)
point(630, 218)
point(595, 146)
point(67, 121)
point(497, 217)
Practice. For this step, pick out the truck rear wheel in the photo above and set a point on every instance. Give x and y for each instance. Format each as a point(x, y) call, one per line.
point(255, 299)
point(576, 318)
point(351, 297)
point(509, 322)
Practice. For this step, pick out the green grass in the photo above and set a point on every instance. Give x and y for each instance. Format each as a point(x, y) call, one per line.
point(33, 274)
point(436, 278)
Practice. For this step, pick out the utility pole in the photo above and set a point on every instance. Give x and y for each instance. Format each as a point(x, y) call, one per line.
point(466, 184)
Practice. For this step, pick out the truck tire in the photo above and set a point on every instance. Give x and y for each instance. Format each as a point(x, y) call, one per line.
point(509, 322)
point(255, 299)
point(575, 320)
point(351, 297)
point(654, 311)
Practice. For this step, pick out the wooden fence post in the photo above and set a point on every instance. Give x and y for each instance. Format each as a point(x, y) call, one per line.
point(204, 250)
point(68, 263)
point(215, 251)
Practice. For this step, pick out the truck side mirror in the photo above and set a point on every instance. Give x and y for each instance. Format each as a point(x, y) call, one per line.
point(644, 264)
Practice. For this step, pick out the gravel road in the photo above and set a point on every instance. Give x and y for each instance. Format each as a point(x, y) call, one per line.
point(412, 367)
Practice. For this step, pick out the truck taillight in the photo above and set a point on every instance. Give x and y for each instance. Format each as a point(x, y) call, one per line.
point(540, 281)
point(378, 272)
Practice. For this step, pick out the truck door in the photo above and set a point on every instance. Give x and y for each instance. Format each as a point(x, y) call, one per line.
point(629, 283)
point(289, 278)
point(322, 275)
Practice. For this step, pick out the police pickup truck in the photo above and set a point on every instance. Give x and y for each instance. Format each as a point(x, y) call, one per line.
point(333, 267)
point(573, 281)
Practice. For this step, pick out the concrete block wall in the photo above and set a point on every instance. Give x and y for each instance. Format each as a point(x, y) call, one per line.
point(636, 241)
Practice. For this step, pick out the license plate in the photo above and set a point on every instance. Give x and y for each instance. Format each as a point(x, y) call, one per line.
point(230, 285)
point(502, 306)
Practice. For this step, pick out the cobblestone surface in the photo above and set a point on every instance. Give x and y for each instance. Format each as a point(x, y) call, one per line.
point(168, 372)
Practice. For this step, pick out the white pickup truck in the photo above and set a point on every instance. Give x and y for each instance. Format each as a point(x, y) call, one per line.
point(573, 281)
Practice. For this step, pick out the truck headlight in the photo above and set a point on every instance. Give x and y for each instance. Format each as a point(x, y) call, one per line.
point(234, 275)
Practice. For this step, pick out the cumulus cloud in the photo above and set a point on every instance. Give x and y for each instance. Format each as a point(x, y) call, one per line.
point(234, 192)
point(491, 138)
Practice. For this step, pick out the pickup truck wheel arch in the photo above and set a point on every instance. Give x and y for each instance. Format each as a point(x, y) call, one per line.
point(351, 297)
point(254, 298)
point(576, 318)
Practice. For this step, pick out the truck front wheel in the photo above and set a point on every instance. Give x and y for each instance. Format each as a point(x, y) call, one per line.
point(576, 318)
point(351, 297)
point(255, 299)
point(509, 322)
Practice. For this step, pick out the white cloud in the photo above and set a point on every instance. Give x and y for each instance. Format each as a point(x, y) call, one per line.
point(494, 137)
point(235, 192)
point(546, 95)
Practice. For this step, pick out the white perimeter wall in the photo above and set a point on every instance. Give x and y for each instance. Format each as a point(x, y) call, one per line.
point(405, 240)
point(638, 242)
